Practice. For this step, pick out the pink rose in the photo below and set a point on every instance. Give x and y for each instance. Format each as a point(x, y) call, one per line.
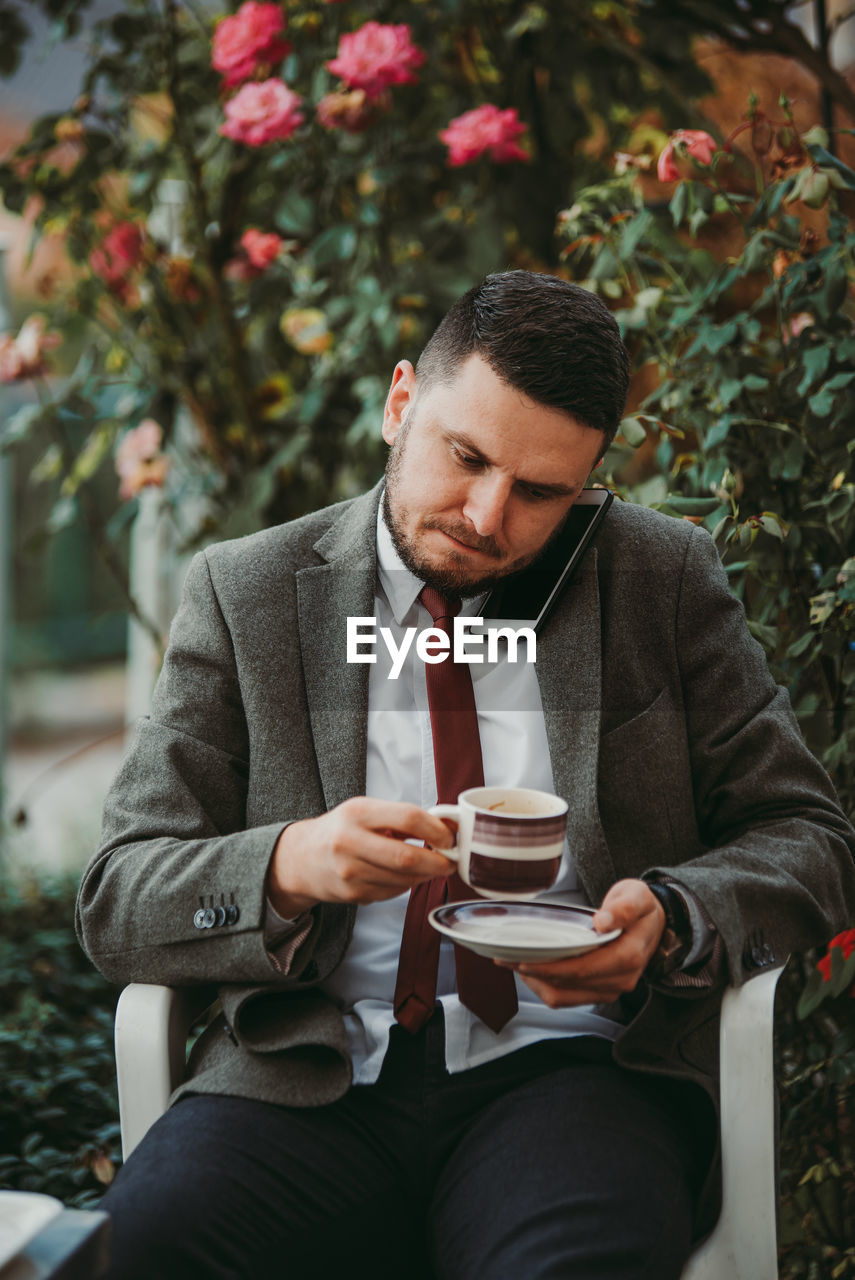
point(260, 113)
point(247, 39)
point(261, 247)
point(485, 130)
point(692, 142)
point(23, 356)
point(120, 252)
point(377, 56)
point(139, 461)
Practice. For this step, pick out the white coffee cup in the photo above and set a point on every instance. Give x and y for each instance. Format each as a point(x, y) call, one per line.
point(509, 840)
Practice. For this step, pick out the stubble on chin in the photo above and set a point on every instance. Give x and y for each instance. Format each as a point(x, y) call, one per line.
point(454, 577)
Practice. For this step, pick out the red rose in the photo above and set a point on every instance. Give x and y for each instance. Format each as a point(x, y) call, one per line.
point(248, 39)
point(846, 942)
point(261, 247)
point(375, 57)
point(120, 252)
point(485, 130)
point(260, 113)
point(694, 142)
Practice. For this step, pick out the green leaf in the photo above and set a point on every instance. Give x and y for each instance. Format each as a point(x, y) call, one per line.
point(634, 231)
point(822, 607)
point(807, 706)
point(842, 971)
point(729, 389)
point(766, 634)
point(679, 203)
point(822, 404)
point(719, 336)
point(772, 523)
point(814, 361)
point(89, 458)
point(295, 215)
point(693, 506)
point(633, 432)
point(717, 433)
point(828, 161)
point(839, 381)
point(798, 647)
point(19, 426)
point(813, 995)
point(336, 244)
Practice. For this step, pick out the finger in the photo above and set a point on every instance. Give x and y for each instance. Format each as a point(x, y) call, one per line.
point(624, 904)
point(415, 862)
point(407, 820)
point(563, 998)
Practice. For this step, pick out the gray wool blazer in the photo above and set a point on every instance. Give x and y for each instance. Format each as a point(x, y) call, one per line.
point(676, 751)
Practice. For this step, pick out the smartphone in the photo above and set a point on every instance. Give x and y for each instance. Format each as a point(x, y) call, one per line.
point(532, 594)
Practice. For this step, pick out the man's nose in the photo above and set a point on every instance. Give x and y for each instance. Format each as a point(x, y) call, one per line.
point(485, 504)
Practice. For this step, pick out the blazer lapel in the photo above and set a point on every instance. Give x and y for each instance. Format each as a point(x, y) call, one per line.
point(569, 672)
point(337, 691)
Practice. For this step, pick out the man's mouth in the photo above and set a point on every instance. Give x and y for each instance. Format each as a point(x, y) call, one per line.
point(486, 548)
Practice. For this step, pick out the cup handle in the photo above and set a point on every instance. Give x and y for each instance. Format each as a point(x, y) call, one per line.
point(447, 811)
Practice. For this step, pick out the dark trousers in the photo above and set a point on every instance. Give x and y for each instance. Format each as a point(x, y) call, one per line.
point(548, 1163)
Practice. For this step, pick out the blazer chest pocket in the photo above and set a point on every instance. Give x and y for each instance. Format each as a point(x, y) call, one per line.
point(642, 763)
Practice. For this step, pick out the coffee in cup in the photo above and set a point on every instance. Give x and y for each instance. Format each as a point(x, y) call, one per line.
point(509, 840)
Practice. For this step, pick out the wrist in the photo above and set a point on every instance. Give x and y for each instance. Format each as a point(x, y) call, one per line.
point(285, 891)
point(676, 940)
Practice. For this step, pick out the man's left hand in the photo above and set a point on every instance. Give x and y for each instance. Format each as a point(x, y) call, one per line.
point(602, 975)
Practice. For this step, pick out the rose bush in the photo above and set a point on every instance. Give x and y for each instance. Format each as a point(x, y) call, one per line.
point(315, 184)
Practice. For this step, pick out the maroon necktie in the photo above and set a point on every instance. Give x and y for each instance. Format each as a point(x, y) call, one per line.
point(488, 991)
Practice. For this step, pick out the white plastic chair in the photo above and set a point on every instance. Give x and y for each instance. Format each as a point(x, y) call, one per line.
point(151, 1036)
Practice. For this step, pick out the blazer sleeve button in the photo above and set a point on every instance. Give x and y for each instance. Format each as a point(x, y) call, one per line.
point(209, 918)
point(199, 919)
point(220, 913)
point(232, 914)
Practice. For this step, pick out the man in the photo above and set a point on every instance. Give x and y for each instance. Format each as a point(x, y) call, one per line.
point(361, 1105)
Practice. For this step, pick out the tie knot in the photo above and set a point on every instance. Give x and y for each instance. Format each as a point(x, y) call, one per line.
point(437, 605)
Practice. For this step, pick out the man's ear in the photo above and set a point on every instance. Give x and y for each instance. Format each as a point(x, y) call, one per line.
point(402, 393)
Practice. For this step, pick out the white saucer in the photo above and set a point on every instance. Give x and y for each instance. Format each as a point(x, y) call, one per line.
point(504, 930)
point(22, 1216)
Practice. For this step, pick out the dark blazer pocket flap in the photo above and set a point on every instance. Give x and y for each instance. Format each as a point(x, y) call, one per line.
point(270, 1020)
point(644, 731)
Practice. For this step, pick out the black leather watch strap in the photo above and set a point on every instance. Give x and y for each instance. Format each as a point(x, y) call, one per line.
point(676, 940)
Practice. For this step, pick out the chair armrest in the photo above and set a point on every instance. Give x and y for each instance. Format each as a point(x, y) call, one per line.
point(152, 1023)
point(744, 1244)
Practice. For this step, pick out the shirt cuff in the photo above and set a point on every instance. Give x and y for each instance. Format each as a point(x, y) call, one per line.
point(283, 938)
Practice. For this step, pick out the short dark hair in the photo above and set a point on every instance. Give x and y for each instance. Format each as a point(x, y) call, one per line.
point(553, 340)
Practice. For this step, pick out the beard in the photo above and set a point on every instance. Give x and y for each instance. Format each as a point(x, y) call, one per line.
point(453, 577)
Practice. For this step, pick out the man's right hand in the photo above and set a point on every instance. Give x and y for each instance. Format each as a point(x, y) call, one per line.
point(356, 853)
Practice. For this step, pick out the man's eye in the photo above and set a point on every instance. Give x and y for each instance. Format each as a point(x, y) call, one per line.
point(466, 459)
point(536, 495)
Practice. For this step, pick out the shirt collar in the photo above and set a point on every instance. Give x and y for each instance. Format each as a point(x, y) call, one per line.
point(401, 587)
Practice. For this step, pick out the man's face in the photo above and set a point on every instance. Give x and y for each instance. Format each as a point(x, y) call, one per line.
point(479, 476)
